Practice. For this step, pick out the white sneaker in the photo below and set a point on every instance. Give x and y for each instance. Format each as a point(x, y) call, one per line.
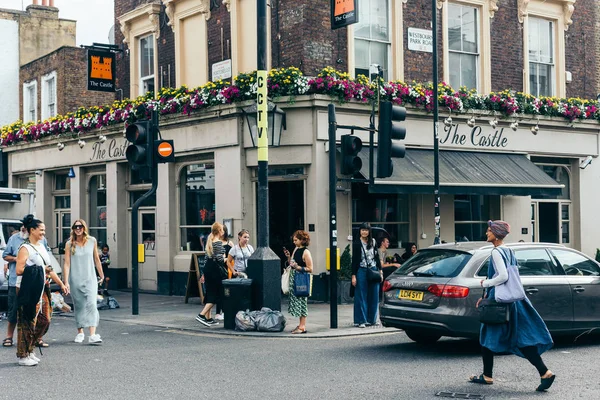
point(220, 317)
point(79, 338)
point(27, 362)
point(34, 357)
point(95, 339)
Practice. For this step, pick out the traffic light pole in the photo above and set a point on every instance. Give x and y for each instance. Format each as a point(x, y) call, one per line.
point(134, 226)
point(333, 278)
point(436, 141)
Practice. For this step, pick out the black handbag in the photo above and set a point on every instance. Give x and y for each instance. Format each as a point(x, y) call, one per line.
point(493, 313)
point(373, 275)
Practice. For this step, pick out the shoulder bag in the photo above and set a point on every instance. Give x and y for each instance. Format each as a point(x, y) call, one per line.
point(285, 280)
point(493, 313)
point(511, 290)
point(373, 275)
point(302, 281)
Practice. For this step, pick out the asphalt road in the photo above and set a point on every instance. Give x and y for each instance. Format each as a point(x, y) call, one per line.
point(141, 362)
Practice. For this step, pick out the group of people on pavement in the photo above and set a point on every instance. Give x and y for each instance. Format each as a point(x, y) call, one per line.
point(29, 299)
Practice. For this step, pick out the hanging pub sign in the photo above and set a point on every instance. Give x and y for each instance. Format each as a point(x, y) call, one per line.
point(343, 13)
point(101, 71)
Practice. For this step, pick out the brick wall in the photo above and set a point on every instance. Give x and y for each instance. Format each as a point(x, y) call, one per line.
point(219, 36)
point(70, 64)
point(507, 47)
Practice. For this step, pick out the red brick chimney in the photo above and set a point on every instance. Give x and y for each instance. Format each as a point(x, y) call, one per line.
point(35, 2)
point(51, 3)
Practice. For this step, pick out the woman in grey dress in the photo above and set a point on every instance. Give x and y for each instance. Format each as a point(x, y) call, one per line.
point(81, 254)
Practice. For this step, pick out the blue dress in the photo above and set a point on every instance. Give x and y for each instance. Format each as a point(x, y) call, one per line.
point(526, 327)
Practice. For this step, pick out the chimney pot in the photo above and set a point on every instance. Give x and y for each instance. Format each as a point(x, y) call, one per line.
point(51, 3)
point(35, 2)
point(45, 2)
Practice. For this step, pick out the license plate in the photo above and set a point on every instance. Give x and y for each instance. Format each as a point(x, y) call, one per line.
point(410, 295)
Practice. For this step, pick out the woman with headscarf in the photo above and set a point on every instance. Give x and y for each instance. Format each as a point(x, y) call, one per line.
point(366, 292)
point(526, 334)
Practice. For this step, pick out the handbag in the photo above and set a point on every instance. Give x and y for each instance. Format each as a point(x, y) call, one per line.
point(373, 275)
point(493, 313)
point(285, 280)
point(302, 284)
point(511, 290)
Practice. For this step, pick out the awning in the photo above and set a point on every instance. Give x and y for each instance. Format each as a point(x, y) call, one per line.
point(463, 172)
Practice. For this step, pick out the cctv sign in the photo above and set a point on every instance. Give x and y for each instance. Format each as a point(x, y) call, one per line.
point(343, 13)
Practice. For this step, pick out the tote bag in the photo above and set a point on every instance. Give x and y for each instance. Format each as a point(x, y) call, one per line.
point(302, 284)
point(511, 290)
point(285, 280)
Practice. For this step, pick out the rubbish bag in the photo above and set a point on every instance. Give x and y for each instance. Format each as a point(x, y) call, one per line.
point(58, 302)
point(244, 321)
point(268, 320)
point(107, 303)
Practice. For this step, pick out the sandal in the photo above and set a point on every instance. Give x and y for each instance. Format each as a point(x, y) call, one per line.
point(8, 342)
point(480, 379)
point(41, 343)
point(546, 383)
point(298, 330)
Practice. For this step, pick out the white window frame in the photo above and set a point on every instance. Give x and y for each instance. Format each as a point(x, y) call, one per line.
point(388, 43)
point(152, 76)
point(486, 12)
point(47, 98)
point(477, 54)
point(27, 106)
point(539, 63)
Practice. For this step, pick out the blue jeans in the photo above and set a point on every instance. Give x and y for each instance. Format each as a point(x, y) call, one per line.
point(366, 299)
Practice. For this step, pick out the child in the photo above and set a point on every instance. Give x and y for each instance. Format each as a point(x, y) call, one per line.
point(105, 261)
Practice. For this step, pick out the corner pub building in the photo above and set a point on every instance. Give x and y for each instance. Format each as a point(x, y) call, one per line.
point(534, 179)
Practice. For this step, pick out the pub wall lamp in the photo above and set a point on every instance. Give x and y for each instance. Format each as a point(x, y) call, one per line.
point(102, 138)
point(81, 143)
point(535, 129)
point(60, 146)
point(514, 126)
point(276, 123)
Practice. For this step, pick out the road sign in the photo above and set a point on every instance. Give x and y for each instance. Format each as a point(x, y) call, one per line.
point(165, 152)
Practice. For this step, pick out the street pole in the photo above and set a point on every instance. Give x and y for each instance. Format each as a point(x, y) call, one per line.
point(264, 266)
point(134, 226)
point(436, 145)
point(333, 278)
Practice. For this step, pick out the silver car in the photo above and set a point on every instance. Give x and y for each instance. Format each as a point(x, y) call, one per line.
point(435, 292)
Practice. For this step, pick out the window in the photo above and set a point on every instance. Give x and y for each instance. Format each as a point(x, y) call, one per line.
point(97, 210)
point(387, 211)
point(471, 214)
point(62, 209)
point(541, 57)
point(561, 175)
point(372, 37)
point(534, 262)
point(440, 263)
point(147, 64)
point(30, 101)
point(197, 205)
point(463, 45)
point(576, 264)
point(49, 95)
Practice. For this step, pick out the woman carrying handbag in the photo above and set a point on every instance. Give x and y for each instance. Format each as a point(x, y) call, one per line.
point(300, 261)
point(525, 334)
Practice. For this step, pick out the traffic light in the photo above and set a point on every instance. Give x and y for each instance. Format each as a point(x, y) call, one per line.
point(351, 162)
point(389, 134)
point(140, 153)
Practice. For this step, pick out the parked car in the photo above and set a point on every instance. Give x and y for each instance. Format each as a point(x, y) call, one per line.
point(435, 292)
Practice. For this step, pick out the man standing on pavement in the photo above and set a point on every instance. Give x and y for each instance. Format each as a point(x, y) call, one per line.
point(10, 255)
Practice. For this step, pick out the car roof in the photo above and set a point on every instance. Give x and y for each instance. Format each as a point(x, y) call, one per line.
point(480, 245)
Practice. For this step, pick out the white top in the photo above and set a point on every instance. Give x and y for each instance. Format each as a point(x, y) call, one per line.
point(501, 272)
point(240, 257)
point(38, 257)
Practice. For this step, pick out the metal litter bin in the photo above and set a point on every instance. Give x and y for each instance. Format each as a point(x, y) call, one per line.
point(237, 296)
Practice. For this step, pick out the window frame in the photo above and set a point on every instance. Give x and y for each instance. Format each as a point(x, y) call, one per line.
point(462, 52)
point(370, 40)
point(91, 219)
point(145, 78)
point(539, 63)
point(493, 212)
point(27, 86)
point(47, 98)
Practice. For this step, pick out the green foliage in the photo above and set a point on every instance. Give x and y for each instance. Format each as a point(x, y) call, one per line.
point(346, 264)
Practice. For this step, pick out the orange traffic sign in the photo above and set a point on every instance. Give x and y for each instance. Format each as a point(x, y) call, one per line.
point(165, 149)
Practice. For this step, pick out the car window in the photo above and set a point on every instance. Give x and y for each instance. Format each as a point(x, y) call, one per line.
point(8, 228)
point(575, 263)
point(534, 262)
point(531, 262)
point(442, 263)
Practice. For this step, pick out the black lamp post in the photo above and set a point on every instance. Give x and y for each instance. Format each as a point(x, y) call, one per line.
point(277, 123)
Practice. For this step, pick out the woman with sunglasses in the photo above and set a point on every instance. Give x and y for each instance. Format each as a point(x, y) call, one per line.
point(81, 255)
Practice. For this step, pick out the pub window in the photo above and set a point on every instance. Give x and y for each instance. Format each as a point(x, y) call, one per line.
point(61, 192)
point(471, 214)
point(97, 211)
point(30, 101)
point(146, 64)
point(463, 45)
point(386, 211)
point(541, 57)
point(197, 205)
point(49, 95)
point(372, 37)
point(561, 175)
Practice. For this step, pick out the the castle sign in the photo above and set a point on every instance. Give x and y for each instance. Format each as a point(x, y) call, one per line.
point(101, 71)
point(113, 149)
point(478, 136)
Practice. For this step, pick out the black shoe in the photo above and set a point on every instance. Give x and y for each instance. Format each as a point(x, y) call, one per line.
point(203, 320)
point(546, 383)
point(212, 322)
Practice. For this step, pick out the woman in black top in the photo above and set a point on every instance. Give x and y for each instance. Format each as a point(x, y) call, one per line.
point(300, 261)
point(366, 293)
point(214, 269)
point(227, 245)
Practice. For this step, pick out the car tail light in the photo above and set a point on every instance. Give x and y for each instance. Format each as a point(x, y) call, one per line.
point(451, 291)
point(386, 286)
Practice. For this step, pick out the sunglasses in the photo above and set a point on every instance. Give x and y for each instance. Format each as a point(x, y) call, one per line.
point(77, 226)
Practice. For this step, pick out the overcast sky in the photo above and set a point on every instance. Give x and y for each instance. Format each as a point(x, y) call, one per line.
point(94, 17)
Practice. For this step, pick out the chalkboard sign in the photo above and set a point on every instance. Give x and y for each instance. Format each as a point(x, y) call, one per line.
point(194, 287)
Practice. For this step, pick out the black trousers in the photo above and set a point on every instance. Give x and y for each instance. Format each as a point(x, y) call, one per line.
point(530, 353)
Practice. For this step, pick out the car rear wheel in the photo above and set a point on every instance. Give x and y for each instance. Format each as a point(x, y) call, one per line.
point(422, 337)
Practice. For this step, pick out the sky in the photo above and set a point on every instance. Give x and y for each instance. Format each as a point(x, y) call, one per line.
point(94, 17)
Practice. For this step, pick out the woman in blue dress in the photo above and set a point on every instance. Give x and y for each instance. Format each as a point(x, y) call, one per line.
point(526, 334)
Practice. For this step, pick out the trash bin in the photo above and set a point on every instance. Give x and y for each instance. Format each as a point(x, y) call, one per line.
point(237, 296)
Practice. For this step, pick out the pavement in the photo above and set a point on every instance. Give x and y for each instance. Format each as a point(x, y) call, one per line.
point(171, 312)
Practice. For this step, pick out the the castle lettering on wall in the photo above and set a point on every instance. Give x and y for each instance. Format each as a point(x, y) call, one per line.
point(109, 150)
point(490, 137)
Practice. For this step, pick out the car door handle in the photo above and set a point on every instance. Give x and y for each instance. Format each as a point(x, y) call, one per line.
point(579, 289)
point(531, 290)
